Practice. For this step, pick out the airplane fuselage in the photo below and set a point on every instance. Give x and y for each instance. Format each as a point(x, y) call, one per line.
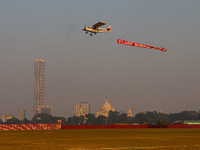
point(98, 30)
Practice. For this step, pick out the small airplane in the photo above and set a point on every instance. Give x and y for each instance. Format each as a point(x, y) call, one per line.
point(95, 28)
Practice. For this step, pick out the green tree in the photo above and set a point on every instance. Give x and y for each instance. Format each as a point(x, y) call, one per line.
point(100, 120)
point(25, 121)
point(184, 115)
point(13, 121)
point(44, 118)
point(123, 118)
point(140, 117)
point(73, 120)
point(114, 117)
point(91, 119)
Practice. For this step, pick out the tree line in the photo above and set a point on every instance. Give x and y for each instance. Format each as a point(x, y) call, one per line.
point(115, 117)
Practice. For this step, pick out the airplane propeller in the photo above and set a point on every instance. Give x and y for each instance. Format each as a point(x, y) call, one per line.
point(85, 27)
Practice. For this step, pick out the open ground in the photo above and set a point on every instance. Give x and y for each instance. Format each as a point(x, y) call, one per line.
point(102, 139)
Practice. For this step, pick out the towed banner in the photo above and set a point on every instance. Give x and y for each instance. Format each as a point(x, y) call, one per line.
point(139, 45)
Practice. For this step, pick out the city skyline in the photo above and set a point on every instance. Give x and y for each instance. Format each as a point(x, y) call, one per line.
point(83, 68)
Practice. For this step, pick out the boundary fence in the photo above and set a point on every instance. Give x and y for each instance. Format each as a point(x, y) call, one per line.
point(103, 126)
point(127, 126)
point(16, 127)
point(57, 126)
point(184, 126)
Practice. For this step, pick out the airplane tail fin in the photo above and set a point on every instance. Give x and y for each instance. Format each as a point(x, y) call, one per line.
point(109, 28)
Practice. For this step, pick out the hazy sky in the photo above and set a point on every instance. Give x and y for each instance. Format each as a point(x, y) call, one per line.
point(81, 68)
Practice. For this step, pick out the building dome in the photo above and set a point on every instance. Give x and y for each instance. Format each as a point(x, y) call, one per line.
point(105, 108)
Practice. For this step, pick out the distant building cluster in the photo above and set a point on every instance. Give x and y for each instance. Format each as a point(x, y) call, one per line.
point(83, 109)
point(6, 117)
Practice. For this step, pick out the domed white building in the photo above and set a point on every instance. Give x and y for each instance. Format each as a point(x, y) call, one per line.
point(105, 108)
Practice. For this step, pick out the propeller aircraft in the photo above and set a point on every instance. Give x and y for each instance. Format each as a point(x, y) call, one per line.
point(95, 28)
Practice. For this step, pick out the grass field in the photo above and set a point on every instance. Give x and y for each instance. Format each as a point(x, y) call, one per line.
point(102, 139)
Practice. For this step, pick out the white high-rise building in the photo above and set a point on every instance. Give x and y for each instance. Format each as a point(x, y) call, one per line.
point(39, 88)
point(22, 113)
point(82, 109)
point(44, 109)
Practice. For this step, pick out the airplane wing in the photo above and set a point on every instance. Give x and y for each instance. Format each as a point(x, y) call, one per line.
point(99, 24)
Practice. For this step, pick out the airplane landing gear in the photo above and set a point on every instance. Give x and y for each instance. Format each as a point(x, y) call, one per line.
point(86, 32)
point(91, 34)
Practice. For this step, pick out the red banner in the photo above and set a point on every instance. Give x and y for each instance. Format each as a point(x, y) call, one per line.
point(139, 45)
